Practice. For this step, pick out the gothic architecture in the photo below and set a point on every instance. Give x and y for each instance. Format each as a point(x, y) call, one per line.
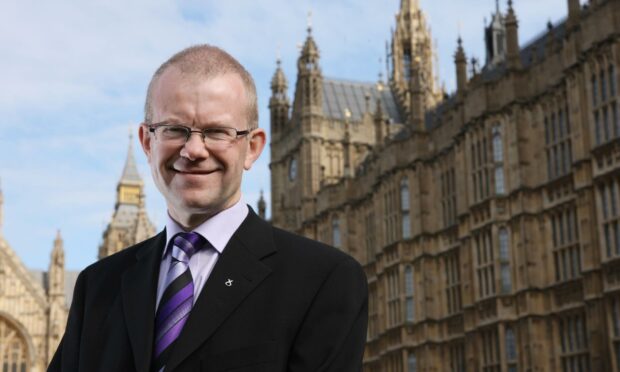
point(130, 223)
point(33, 308)
point(34, 304)
point(488, 219)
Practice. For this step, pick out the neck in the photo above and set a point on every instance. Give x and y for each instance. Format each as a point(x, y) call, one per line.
point(190, 219)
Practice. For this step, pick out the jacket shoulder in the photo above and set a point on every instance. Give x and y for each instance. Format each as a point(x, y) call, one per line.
point(119, 261)
point(306, 249)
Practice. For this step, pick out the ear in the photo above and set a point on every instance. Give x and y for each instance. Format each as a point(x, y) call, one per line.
point(145, 140)
point(257, 139)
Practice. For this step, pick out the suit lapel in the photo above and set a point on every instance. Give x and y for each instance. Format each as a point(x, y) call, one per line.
point(139, 290)
point(240, 263)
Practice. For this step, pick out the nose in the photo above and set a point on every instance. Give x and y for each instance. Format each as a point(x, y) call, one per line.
point(194, 149)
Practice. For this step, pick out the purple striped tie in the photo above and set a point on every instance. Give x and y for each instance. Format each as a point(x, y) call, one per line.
point(178, 298)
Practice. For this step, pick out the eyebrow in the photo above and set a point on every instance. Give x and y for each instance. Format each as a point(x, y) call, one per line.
point(213, 124)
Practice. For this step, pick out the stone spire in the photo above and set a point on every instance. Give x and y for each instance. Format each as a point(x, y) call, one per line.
point(512, 38)
point(278, 103)
point(309, 59)
point(309, 89)
point(57, 268)
point(56, 296)
point(378, 120)
point(130, 223)
point(495, 38)
point(279, 84)
point(460, 62)
point(130, 185)
point(347, 148)
point(412, 40)
point(262, 206)
point(409, 5)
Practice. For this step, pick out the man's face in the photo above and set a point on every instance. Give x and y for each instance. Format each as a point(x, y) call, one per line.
point(197, 180)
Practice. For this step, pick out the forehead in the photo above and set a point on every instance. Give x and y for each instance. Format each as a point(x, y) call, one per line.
point(175, 90)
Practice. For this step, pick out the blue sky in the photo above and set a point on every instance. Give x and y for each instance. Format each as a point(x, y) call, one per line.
point(74, 73)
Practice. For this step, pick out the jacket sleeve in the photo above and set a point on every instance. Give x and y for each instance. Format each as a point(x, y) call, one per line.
point(333, 333)
point(67, 354)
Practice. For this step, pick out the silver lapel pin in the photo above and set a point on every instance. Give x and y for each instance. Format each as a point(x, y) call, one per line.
point(229, 283)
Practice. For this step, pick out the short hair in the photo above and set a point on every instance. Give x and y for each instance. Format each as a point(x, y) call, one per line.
point(206, 61)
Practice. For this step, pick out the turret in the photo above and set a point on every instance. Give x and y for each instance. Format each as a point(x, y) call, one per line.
point(262, 206)
point(346, 145)
point(379, 122)
point(130, 223)
point(460, 62)
point(56, 297)
point(278, 103)
point(551, 42)
point(512, 38)
point(130, 185)
point(412, 40)
point(495, 38)
point(309, 89)
point(57, 268)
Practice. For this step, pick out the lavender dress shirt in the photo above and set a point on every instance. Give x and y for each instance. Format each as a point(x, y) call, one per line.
point(217, 230)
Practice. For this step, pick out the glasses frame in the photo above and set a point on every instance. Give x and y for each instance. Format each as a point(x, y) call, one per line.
point(203, 132)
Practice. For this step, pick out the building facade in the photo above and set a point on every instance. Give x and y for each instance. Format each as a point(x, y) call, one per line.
point(130, 223)
point(34, 304)
point(33, 308)
point(488, 219)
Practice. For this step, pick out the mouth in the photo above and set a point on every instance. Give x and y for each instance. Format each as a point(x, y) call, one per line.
point(194, 171)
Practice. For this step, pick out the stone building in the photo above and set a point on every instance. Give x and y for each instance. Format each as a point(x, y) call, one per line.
point(34, 304)
point(488, 219)
point(33, 308)
point(130, 223)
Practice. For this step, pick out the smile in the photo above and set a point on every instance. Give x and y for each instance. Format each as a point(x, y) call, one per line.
point(194, 172)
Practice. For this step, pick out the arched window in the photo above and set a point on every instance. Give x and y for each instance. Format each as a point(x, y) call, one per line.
point(500, 187)
point(504, 258)
point(412, 363)
point(612, 80)
point(603, 84)
point(511, 345)
point(404, 208)
point(511, 350)
point(409, 304)
point(13, 348)
point(498, 146)
point(407, 64)
point(336, 232)
point(594, 83)
point(498, 159)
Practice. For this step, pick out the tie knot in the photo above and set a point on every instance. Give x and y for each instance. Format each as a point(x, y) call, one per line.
point(187, 244)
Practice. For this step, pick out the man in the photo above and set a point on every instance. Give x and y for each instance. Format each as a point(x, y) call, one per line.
point(219, 289)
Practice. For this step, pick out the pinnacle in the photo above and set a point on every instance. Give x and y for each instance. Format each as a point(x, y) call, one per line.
point(278, 81)
point(130, 172)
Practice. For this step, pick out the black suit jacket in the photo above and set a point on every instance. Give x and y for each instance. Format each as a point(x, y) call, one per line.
point(294, 305)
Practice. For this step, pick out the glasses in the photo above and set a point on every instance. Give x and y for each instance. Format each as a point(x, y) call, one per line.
point(176, 134)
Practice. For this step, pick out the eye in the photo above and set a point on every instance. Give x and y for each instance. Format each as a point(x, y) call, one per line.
point(219, 133)
point(174, 131)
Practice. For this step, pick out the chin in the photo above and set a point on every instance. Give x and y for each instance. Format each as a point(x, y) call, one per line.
point(197, 204)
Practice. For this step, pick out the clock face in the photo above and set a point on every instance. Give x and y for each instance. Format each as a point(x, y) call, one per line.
point(292, 169)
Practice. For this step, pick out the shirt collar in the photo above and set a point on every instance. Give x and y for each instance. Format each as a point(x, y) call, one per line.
point(217, 230)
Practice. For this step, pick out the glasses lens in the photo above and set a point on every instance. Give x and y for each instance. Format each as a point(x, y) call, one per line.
point(220, 134)
point(172, 132)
